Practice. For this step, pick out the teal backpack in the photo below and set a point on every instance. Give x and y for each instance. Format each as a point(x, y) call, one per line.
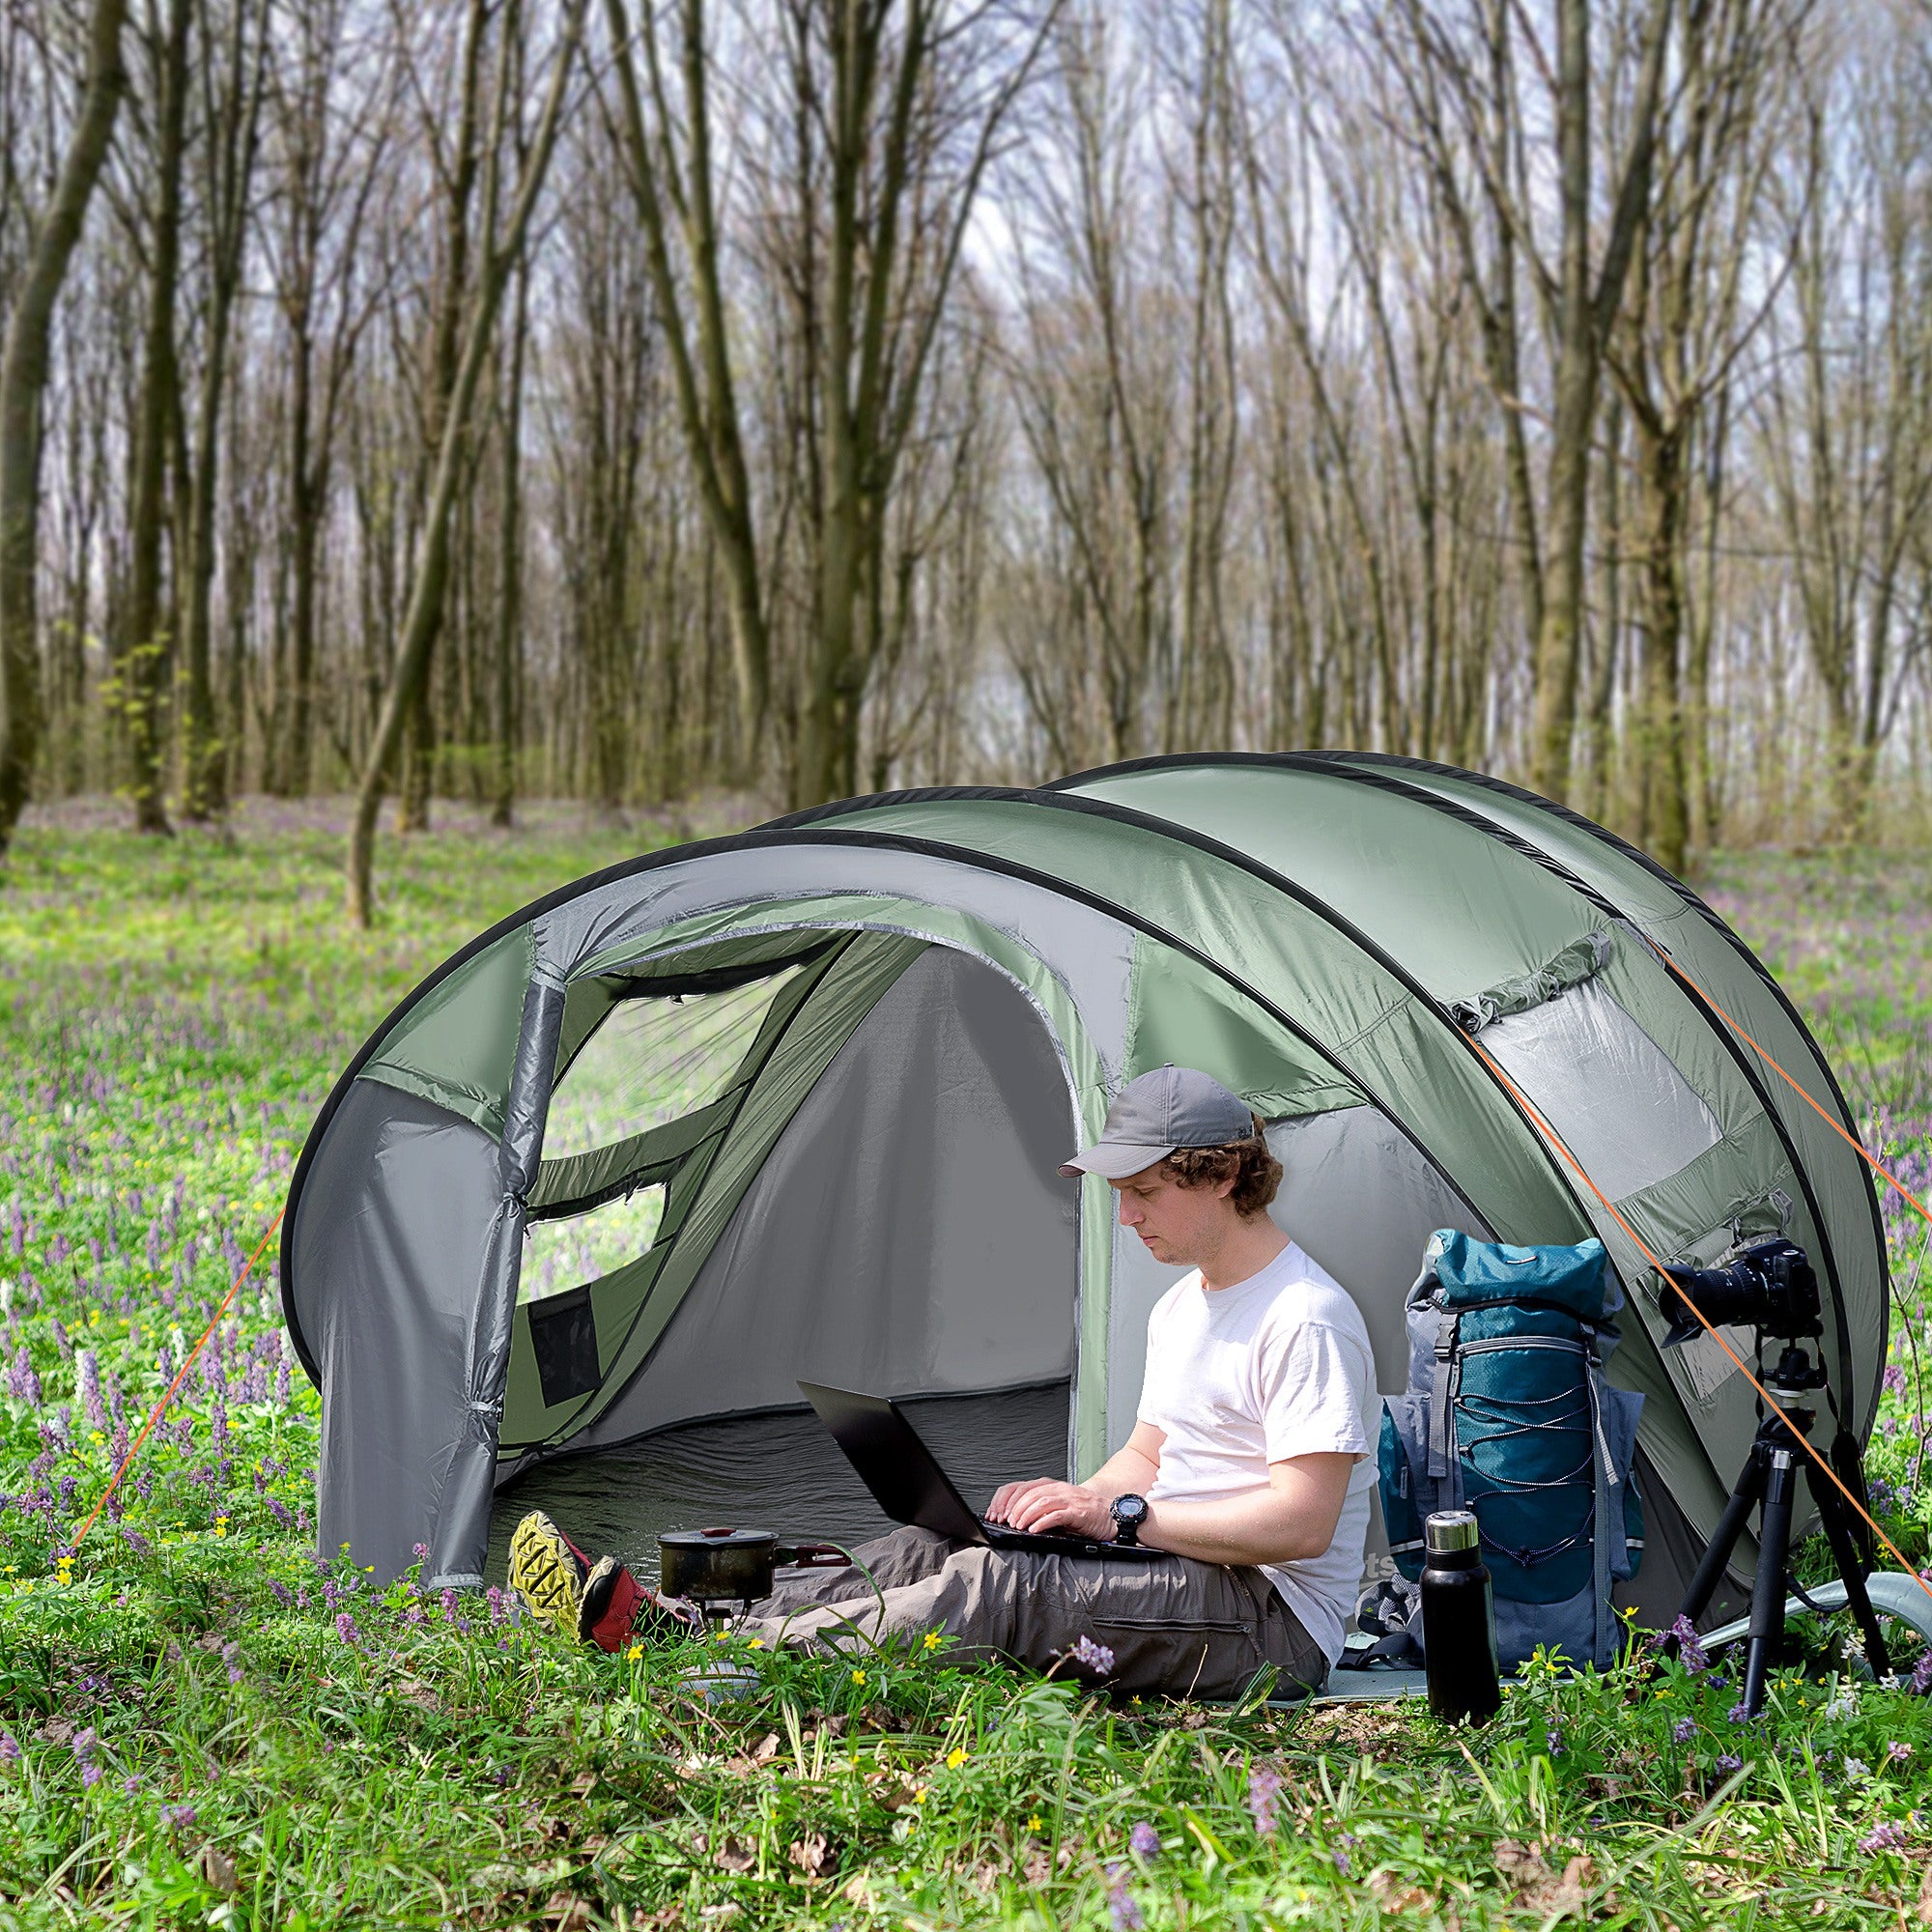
point(1508, 1413)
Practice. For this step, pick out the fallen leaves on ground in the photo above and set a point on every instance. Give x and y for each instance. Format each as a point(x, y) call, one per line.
point(813, 1855)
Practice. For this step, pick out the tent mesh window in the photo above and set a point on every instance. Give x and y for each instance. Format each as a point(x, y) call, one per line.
point(654, 1061)
point(1623, 1109)
point(563, 1254)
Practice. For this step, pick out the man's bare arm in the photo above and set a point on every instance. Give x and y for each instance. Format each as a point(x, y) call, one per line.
point(1293, 1517)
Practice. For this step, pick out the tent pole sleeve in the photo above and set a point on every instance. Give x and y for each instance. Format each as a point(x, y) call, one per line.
point(461, 1527)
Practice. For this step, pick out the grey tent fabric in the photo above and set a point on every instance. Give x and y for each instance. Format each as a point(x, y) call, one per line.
point(389, 1302)
point(908, 1231)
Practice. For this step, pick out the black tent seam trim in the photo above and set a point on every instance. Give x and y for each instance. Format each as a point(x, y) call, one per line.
point(1365, 767)
point(784, 832)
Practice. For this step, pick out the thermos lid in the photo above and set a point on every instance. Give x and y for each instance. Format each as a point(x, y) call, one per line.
point(1451, 1529)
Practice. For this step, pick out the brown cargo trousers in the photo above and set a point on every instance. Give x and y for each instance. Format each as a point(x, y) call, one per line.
point(1175, 1626)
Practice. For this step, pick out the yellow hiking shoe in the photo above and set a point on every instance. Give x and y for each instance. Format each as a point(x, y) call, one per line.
point(549, 1572)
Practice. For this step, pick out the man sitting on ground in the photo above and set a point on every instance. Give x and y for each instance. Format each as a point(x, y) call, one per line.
point(1247, 1464)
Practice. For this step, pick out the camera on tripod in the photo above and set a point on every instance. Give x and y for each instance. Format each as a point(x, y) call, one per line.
point(1771, 1287)
point(1768, 1286)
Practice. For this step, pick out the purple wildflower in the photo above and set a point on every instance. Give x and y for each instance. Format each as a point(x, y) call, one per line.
point(1886, 1838)
point(497, 1610)
point(345, 1627)
point(86, 1390)
point(1263, 1794)
point(1897, 1753)
point(1740, 1714)
point(23, 1383)
point(1553, 1741)
point(10, 1749)
point(1728, 1764)
point(1092, 1655)
point(449, 1606)
point(177, 1817)
point(1921, 1675)
point(1341, 1853)
point(1143, 1840)
point(1123, 1910)
point(84, 1747)
point(1688, 1646)
point(1683, 1730)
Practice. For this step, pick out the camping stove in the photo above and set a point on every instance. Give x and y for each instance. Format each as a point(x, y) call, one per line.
point(717, 1568)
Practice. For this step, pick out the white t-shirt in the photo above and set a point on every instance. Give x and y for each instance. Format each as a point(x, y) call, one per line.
point(1237, 1378)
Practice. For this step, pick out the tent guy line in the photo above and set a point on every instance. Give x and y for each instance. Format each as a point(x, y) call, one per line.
point(187, 1362)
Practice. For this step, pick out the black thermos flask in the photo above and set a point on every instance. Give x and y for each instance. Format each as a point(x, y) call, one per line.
point(1459, 1621)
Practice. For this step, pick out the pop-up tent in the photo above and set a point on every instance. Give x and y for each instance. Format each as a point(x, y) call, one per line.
point(789, 1105)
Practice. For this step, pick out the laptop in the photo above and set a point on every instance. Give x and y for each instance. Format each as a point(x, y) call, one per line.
point(908, 1484)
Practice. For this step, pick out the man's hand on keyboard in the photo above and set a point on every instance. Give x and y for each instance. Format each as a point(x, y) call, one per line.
point(1042, 1504)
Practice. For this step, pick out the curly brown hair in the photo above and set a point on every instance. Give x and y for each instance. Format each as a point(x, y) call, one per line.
point(1253, 1170)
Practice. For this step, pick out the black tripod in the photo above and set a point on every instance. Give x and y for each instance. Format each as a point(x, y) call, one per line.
point(1769, 1479)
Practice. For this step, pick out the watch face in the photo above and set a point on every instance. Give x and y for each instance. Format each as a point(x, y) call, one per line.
point(1130, 1509)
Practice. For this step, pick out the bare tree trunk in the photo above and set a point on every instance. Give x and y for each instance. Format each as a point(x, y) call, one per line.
point(510, 581)
point(707, 400)
point(432, 569)
point(231, 120)
point(23, 376)
point(1585, 315)
point(146, 644)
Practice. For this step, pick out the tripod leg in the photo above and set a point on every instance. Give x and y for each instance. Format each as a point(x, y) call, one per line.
point(1774, 1549)
point(1841, 1534)
point(1749, 1488)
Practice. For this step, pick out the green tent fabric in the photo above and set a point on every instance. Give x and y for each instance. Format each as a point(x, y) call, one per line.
point(789, 1105)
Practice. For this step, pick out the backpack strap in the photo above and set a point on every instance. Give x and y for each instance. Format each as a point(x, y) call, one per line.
point(1603, 1485)
point(1442, 1445)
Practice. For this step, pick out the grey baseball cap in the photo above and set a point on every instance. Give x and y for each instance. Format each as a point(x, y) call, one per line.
point(1172, 1107)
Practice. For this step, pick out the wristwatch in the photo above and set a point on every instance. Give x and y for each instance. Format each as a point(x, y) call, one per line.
point(1129, 1513)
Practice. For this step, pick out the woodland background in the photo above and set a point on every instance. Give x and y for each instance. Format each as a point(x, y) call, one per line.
point(617, 399)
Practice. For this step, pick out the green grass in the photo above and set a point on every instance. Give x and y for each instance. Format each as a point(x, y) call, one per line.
point(201, 1725)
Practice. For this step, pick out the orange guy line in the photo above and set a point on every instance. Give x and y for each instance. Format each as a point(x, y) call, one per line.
point(134, 1448)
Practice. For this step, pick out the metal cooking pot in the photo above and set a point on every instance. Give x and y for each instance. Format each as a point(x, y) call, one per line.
point(714, 1566)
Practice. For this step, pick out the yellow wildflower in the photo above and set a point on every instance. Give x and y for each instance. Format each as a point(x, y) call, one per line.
point(757, 1643)
point(919, 1794)
point(636, 1650)
point(858, 1677)
point(932, 1640)
point(1032, 1823)
point(955, 1758)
